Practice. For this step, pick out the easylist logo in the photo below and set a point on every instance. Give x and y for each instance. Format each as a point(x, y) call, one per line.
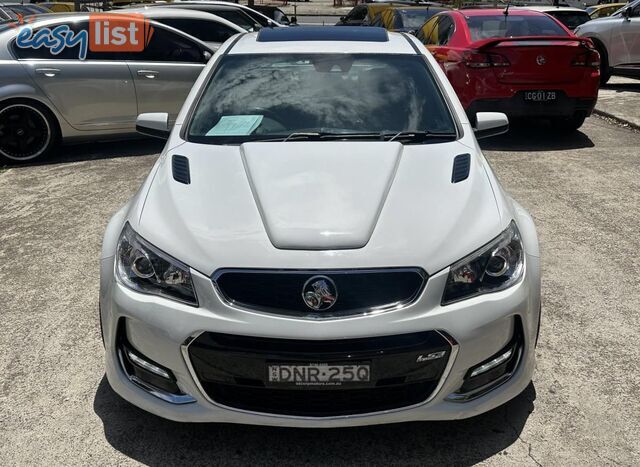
point(107, 33)
point(119, 33)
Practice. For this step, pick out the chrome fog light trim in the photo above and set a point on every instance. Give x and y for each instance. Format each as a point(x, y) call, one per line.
point(492, 364)
point(137, 360)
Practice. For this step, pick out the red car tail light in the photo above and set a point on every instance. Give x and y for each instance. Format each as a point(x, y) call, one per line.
point(485, 60)
point(590, 58)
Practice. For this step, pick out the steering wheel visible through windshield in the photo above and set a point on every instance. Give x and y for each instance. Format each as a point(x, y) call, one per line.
point(271, 96)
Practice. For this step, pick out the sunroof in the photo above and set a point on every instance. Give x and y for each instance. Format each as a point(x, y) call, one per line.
point(323, 33)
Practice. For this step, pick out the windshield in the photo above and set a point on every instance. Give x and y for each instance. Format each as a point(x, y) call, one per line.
point(268, 96)
point(491, 26)
point(571, 19)
point(413, 19)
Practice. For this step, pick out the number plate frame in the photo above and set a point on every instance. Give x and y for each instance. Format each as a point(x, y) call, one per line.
point(322, 375)
point(540, 96)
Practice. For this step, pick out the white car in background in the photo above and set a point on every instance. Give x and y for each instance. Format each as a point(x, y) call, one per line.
point(321, 243)
point(569, 16)
point(208, 28)
point(617, 38)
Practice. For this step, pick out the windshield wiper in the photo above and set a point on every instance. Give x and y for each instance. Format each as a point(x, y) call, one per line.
point(418, 136)
point(404, 136)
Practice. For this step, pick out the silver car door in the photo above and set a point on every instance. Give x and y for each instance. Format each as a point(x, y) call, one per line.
point(92, 94)
point(165, 71)
point(631, 36)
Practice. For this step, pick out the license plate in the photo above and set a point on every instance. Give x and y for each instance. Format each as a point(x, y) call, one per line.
point(319, 374)
point(540, 96)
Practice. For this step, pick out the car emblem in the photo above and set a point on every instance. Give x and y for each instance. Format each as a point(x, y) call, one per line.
point(541, 59)
point(319, 293)
point(432, 356)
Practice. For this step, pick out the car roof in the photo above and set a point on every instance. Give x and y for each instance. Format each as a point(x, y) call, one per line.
point(606, 5)
point(498, 11)
point(546, 9)
point(322, 39)
point(160, 13)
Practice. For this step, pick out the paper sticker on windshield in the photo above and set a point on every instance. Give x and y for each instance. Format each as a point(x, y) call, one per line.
point(235, 125)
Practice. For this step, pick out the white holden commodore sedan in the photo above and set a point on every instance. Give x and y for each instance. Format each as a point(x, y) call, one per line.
point(321, 243)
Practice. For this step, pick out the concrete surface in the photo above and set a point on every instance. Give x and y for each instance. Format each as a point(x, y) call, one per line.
point(56, 407)
point(620, 99)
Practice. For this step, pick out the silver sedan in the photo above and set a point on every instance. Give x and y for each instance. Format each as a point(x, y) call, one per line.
point(49, 95)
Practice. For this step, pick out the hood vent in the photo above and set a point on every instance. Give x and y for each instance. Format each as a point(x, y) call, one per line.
point(461, 166)
point(180, 166)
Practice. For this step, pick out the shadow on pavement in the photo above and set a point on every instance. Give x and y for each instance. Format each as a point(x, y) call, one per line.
point(623, 87)
point(98, 150)
point(155, 441)
point(536, 136)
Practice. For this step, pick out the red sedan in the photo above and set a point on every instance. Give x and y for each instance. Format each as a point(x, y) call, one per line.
point(520, 62)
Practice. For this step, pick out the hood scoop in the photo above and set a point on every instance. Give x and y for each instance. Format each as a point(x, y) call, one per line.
point(461, 167)
point(320, 195)
point(180, 169)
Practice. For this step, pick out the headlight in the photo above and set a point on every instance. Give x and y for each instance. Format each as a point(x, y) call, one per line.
point(495, 266)
point(142, 267)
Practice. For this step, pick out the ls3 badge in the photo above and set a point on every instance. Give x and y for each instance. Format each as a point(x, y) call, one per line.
point(431, 356)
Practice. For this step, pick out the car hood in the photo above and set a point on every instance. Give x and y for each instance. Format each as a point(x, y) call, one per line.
point(319, 205)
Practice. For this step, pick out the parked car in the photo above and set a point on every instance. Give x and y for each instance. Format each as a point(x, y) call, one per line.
point(274, 13)
point(569, 16)
point(47, 97)
point(25, 9)
point(308, 252)
point(226, 10)
point(260, 18)
point(405, 19)
point(523, 63)
point(604, 10)
point(617, 38)
point(7, 15)
point(209, 28)
point(365, 12)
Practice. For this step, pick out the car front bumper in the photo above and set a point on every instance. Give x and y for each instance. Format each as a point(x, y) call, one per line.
point(161, 330)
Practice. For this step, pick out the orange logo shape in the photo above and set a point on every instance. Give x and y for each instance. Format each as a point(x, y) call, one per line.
point(119, 33)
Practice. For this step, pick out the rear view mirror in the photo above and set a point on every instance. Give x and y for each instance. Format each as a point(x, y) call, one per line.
point(490, 124)
point(154, 124)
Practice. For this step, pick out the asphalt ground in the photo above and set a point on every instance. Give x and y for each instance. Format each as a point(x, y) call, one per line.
point(56, 407)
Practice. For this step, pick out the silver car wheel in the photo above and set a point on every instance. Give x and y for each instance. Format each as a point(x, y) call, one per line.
point(25, 132)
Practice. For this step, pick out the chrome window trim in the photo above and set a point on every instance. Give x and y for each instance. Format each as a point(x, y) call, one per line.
point(445, 374)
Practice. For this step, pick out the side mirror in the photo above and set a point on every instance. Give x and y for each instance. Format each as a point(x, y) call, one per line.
point(154, 124)
point(490, 124)
point(293, 21)
point(627, 13)
point(207, 55)
point(343, 18)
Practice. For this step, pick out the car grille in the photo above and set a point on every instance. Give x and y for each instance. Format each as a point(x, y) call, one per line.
point(232, 371)
point(359, 290)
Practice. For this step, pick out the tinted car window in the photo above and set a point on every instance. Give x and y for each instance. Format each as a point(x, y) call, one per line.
point(428, 34)
point(490, 26)
point(207, 31)
point(358, 13)
point(166, 46)
point(571, 19)
point(413, 19)
point(276, 95)
point(445, 29)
